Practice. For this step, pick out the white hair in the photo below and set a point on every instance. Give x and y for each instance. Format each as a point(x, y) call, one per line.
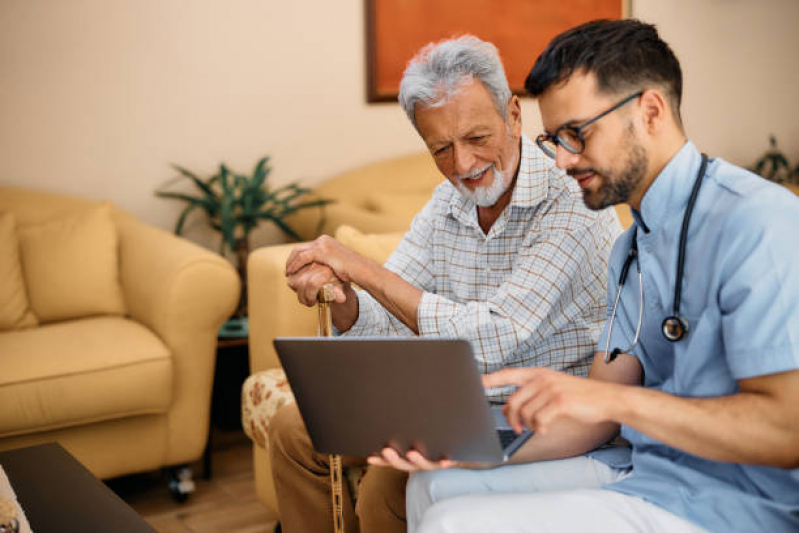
point(439, 69)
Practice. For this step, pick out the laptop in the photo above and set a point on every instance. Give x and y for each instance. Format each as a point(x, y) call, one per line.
point(358, 395)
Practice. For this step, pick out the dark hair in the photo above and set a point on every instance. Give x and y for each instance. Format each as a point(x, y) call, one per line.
point(625, 55)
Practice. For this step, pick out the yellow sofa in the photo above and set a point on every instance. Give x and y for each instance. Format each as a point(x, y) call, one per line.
point(382, 197)
point(127, 388)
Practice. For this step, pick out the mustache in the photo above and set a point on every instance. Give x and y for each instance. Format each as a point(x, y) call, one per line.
point(474, 173)
point(575, 171)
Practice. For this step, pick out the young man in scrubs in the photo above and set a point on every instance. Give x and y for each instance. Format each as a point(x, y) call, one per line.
point(698, 365)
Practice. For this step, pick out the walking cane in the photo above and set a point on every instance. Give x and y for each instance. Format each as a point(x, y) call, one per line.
point(325, 296)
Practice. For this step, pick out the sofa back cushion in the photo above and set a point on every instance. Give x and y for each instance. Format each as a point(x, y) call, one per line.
point(71, 266)
point(375, 246)
point(15, 312)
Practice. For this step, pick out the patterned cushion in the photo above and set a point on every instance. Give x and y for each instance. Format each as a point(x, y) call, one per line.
point(262, 394)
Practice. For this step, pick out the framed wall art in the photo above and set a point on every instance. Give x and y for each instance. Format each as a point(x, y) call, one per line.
point(521, 29)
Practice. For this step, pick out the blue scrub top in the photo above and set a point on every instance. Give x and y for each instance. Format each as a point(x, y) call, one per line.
point(740, 294)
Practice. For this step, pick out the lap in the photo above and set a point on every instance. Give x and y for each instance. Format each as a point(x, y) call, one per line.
point(576, 510)
point(563, 474)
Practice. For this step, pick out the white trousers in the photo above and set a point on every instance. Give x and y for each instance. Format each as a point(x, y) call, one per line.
point(548, 496)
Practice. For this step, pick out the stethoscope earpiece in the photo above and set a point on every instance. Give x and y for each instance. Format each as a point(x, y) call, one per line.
point(674, 328)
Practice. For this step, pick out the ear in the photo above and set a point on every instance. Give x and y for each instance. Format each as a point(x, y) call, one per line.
point(515, 115)
point(655, 111)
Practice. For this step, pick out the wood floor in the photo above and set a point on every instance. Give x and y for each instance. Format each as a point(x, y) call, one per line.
point(227, 502)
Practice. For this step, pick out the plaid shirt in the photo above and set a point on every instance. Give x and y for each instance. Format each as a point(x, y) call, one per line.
point(532, 292)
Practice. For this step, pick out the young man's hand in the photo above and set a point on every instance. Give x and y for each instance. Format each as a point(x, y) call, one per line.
point(545, 395)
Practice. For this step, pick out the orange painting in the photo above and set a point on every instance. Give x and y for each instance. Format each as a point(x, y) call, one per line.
point(521, 29)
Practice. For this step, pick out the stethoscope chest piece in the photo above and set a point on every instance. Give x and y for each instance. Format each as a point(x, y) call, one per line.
point(674, 328)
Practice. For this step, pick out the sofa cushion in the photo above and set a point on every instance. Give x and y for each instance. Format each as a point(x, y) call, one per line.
point(71, 266)
point(375, 246)
point(78, 372)
point(405, 205)
point(15, 310)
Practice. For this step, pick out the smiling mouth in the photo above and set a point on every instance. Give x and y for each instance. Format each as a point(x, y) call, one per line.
point(476, 176)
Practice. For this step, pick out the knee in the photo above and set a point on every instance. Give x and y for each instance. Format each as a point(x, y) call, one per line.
point(286, 431)
point(420, 495)
point(421, 487)
point(381, 496)
point(448, 516)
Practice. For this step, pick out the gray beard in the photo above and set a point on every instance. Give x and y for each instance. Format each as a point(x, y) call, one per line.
point(486, 196)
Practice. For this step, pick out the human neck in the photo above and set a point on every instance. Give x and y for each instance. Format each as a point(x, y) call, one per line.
point(660, 156)
point(486, 216)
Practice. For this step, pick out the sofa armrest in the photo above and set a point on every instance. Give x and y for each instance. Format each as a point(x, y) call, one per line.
point(172, 285)
point(184, 293)
point(273, 307)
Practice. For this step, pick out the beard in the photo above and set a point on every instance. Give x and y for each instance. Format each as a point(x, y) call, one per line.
point(617, 186)
point(488, 195)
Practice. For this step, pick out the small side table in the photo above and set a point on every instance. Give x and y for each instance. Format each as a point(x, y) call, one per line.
point(232, 368)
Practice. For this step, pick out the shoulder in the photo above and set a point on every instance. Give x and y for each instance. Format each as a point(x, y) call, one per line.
point(439, 204)
point(749, 203)
point(751, 216)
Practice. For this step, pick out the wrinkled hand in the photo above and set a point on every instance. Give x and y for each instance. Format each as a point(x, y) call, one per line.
point(307, 282)
point(324, 250)
point(412, 462)
point(545, 395)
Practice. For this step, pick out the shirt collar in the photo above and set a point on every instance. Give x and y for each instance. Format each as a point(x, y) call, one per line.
point(529, 190)
point(669, 192)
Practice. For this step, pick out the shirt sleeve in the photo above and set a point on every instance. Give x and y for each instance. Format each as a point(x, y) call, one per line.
point(547, 306)
point(411, 261)
point(759, 287)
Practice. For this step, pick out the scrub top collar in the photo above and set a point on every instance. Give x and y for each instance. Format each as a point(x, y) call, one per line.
point(669, 192)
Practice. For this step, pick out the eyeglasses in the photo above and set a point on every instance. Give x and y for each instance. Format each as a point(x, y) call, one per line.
point(571, 137)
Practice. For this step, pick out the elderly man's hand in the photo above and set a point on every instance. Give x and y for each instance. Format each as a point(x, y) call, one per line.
point(328, 251)
point(307, 282)
point(412, 462)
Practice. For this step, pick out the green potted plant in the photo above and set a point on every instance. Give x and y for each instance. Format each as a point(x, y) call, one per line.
point(774, 166)
point(236, 203)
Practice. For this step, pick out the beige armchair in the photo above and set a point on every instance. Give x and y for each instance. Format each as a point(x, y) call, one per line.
point(128, 390)
point(275, 312)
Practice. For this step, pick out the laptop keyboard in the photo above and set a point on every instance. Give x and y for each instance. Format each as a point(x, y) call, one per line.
point(506, 436)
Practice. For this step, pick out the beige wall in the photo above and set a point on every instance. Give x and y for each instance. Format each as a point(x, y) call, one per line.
point(97, 97)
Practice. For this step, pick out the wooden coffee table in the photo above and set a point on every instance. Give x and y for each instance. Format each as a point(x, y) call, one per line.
point(58, 493)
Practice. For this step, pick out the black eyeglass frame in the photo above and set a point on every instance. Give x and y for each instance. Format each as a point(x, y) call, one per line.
point(556, 139)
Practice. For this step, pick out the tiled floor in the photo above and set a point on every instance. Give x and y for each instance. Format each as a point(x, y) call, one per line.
point(227, 502)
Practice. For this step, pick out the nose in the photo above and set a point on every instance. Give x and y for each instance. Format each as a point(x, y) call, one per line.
point(564, 159)
point(464, 159)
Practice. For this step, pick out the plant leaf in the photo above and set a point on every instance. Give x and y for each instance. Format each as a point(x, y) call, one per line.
point(203, 186)
point(182, 217)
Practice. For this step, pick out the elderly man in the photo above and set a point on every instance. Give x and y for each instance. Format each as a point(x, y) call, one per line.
point(505, 255)
point(699, 361)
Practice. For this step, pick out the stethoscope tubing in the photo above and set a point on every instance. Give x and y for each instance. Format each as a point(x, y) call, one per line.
point(632, 255)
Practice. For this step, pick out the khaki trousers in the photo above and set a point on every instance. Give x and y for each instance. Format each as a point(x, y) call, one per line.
point(302, 483)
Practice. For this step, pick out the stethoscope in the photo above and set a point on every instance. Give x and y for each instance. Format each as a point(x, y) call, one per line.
point(674, 326)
